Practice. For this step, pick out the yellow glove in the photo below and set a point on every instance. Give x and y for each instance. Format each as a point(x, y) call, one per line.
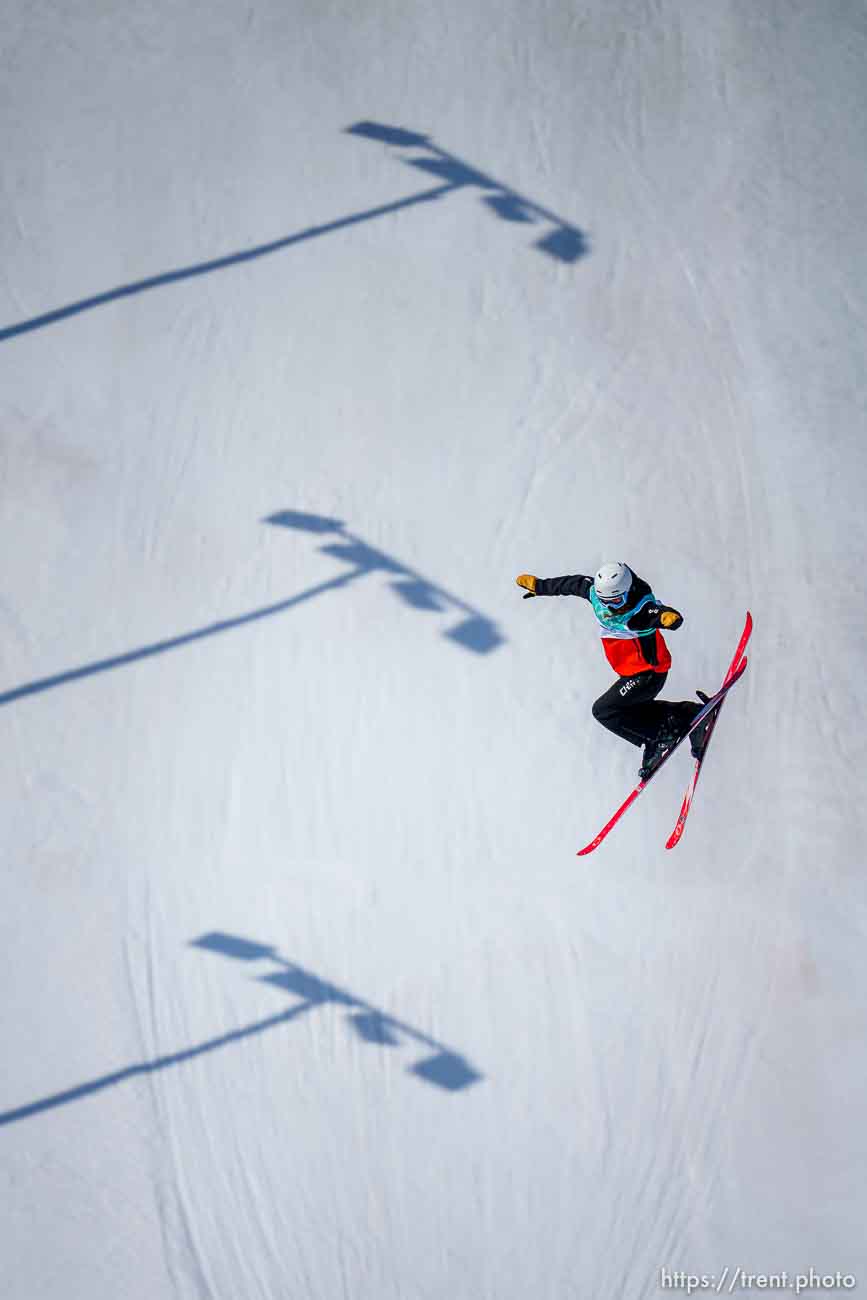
point(527, 580)
point(670, 618)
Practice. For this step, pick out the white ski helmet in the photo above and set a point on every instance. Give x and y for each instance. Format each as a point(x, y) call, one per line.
point(612, 583)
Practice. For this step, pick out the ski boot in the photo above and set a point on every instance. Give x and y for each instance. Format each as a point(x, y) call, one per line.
point(672, 730)
point(654, 751)
point(699, 736)
point(684, 713)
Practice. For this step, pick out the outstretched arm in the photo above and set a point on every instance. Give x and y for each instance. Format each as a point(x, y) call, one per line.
point(654, 615)
point(575, 584)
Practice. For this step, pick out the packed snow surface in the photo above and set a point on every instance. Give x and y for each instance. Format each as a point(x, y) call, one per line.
point(319, 322)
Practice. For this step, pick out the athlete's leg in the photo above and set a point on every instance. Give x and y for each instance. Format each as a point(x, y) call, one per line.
point(629, 707)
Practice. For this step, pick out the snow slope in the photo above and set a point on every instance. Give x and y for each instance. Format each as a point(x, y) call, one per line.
point(319, 322)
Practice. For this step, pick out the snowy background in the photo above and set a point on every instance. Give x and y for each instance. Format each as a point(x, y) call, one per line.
point(319, 322)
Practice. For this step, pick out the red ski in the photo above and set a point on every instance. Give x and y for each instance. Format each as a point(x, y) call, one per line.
point(675, 835)
point(736, 670)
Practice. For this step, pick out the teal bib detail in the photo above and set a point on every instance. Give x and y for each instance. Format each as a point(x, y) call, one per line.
point(613, 621)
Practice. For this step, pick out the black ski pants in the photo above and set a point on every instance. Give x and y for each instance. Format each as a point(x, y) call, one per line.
point(630, 709)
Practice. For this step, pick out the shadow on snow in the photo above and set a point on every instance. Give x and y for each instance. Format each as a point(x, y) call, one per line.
point(475, 632)
point(564, 243)
point(441, 1067)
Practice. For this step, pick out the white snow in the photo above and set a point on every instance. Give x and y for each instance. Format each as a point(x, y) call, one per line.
point(305, 994)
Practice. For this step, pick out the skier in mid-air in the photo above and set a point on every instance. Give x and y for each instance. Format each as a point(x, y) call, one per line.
point(630, 621)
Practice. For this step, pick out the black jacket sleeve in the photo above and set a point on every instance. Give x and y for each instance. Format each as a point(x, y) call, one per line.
point(649, 617)
point(571, 585)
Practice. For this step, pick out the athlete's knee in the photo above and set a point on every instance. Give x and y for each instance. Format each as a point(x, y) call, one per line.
point(603, 709)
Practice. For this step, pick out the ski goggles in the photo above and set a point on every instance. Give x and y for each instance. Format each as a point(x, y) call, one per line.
point(614, 602)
